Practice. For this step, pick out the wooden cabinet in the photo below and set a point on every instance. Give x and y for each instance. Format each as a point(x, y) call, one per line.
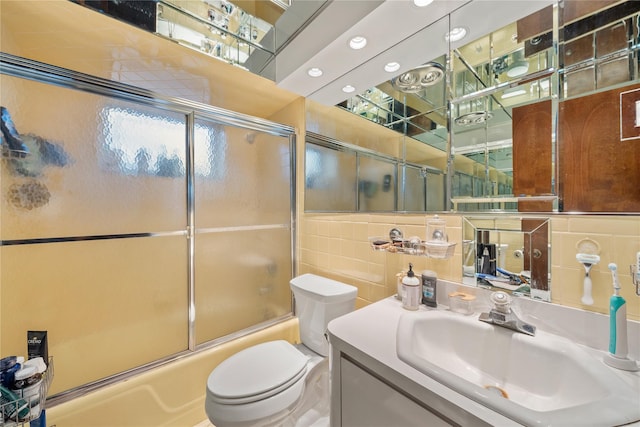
point(599, 171)
point(532, 153)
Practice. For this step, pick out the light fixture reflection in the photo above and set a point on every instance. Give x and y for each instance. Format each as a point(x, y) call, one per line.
point(419, 78)
point(519, 68)
point(474, 118)
point(348, 89)
point(513, 93)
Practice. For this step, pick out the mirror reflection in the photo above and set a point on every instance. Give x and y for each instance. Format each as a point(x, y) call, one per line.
point(508, 253)
point(341, 177)
point(498, 109)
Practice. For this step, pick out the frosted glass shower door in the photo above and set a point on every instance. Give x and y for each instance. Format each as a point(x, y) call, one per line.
point(243, 261)
point(93, 231)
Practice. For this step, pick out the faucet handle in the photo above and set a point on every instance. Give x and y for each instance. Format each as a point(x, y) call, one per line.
point(501, 301)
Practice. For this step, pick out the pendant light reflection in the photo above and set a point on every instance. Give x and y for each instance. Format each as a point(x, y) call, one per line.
point(475, 118)
point(419, 78)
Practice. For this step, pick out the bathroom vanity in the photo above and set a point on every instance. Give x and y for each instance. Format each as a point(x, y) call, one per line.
point(372, 386)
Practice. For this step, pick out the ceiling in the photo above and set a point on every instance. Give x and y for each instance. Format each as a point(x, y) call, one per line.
point(396, 30)
point(75, 38)
point(67, 35)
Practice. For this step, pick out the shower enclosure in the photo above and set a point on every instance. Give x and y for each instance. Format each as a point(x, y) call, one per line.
point(135, 228)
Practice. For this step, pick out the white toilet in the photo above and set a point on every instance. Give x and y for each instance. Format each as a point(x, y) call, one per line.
point(275, 383)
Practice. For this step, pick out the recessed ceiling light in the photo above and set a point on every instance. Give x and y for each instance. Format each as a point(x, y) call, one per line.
point(519, 68)
point(348, 89)
point(357, 42)
point(457, 33)
point(314, 72)
point(392, 67)
point(422, 3)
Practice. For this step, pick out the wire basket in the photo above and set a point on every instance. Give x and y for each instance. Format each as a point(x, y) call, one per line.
point(22, 410)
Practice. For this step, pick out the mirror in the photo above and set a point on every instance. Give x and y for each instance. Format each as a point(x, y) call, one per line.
point(508, 253)
point(495, 127)
point(494, 77)
point(341, 177)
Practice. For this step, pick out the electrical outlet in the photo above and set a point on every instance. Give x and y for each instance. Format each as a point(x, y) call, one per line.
point(637, 268)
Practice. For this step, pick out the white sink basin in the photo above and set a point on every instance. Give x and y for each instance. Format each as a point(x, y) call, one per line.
point(534, 380)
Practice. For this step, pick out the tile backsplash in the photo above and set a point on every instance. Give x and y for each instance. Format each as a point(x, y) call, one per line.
point(337, 246)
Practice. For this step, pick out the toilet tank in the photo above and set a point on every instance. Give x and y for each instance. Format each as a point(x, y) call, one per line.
point(318, 301)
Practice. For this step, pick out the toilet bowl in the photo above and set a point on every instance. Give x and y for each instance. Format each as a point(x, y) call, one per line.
point(269, 383)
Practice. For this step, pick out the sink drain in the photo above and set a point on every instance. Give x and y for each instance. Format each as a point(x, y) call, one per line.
point(497, 390)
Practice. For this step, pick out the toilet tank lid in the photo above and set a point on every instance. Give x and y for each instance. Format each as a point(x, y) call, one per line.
point(323, 289)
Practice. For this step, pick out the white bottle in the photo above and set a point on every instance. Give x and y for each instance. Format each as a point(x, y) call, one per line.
point(411, 288)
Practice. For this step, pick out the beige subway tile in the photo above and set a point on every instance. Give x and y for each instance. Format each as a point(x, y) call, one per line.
point(381, 219)
point(309, 256)
point(559, 224)
point(346, 230)
point(624, 250)
point(348, 248)
point(406, 220)
point(323, 244)
point(323, 228)
point(335, 228)
point(311, 226)
point(323, 260)
point(604, 225)
point(335, 245)
point(378, 293)
point(360, 231)
point(379, 229)
point(413, 230)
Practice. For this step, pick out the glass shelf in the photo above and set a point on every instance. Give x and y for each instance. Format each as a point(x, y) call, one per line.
point(430, 249)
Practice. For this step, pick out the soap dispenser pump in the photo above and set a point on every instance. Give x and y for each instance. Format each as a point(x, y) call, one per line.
point(618, 348)
point(411, 290)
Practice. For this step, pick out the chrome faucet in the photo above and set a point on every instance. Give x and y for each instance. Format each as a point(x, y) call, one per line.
point(502, 315)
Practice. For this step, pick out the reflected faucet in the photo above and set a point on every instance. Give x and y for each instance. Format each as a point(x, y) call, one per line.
point(502, 315)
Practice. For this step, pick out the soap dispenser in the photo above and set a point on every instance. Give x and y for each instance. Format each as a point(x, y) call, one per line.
point(411, 290)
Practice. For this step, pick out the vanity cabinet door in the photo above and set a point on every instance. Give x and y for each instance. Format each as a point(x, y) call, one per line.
point(367, 401)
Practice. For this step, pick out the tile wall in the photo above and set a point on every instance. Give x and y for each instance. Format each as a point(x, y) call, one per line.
point(336, 245)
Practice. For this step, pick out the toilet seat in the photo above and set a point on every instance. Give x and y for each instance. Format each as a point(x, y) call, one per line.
point(257, 373)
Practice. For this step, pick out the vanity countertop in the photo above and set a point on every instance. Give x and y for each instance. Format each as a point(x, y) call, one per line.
point(369, 335)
